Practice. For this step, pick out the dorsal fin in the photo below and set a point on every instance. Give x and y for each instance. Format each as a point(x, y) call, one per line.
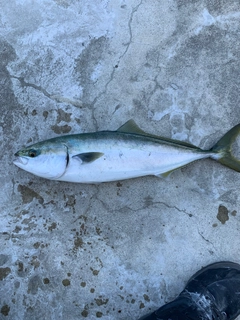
point(131, 127)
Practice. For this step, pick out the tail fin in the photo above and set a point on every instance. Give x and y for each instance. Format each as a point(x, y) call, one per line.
point(224, 149)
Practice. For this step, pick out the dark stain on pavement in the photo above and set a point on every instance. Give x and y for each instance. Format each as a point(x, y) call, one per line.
point(28, 194)
point(222, 215)
point(4, 272)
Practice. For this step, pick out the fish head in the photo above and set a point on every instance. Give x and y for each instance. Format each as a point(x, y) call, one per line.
point(44, 159)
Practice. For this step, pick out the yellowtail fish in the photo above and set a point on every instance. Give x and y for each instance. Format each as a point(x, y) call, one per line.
point(126, 153)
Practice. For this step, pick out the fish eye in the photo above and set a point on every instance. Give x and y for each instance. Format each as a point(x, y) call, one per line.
point(32, 153)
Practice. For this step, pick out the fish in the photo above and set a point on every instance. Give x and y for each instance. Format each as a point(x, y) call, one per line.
point(128, 152)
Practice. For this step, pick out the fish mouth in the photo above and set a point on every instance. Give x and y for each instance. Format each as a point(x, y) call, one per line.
point(20, 161)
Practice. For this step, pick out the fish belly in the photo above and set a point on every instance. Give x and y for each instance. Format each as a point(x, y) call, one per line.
point(125, 163)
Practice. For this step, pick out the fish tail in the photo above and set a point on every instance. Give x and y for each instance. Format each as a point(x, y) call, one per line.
point(223, 149)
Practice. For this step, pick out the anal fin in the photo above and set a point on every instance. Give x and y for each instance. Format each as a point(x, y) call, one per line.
point(165, 174)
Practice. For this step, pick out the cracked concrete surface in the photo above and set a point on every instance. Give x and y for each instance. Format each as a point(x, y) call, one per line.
point(114, 250)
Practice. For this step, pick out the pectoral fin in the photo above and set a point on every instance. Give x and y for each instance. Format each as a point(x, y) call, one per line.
point(88, 157)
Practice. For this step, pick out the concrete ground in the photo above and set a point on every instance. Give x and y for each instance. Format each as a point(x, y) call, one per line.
point(115, 250)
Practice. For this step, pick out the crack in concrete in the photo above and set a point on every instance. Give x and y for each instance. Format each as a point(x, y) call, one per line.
point(56, 98)
point(134, 10)
point(143, 207)
point(209, 242)
point(204, 238)
point(174, 207)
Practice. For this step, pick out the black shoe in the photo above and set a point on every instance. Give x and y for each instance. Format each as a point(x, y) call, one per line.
point(213, 293)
